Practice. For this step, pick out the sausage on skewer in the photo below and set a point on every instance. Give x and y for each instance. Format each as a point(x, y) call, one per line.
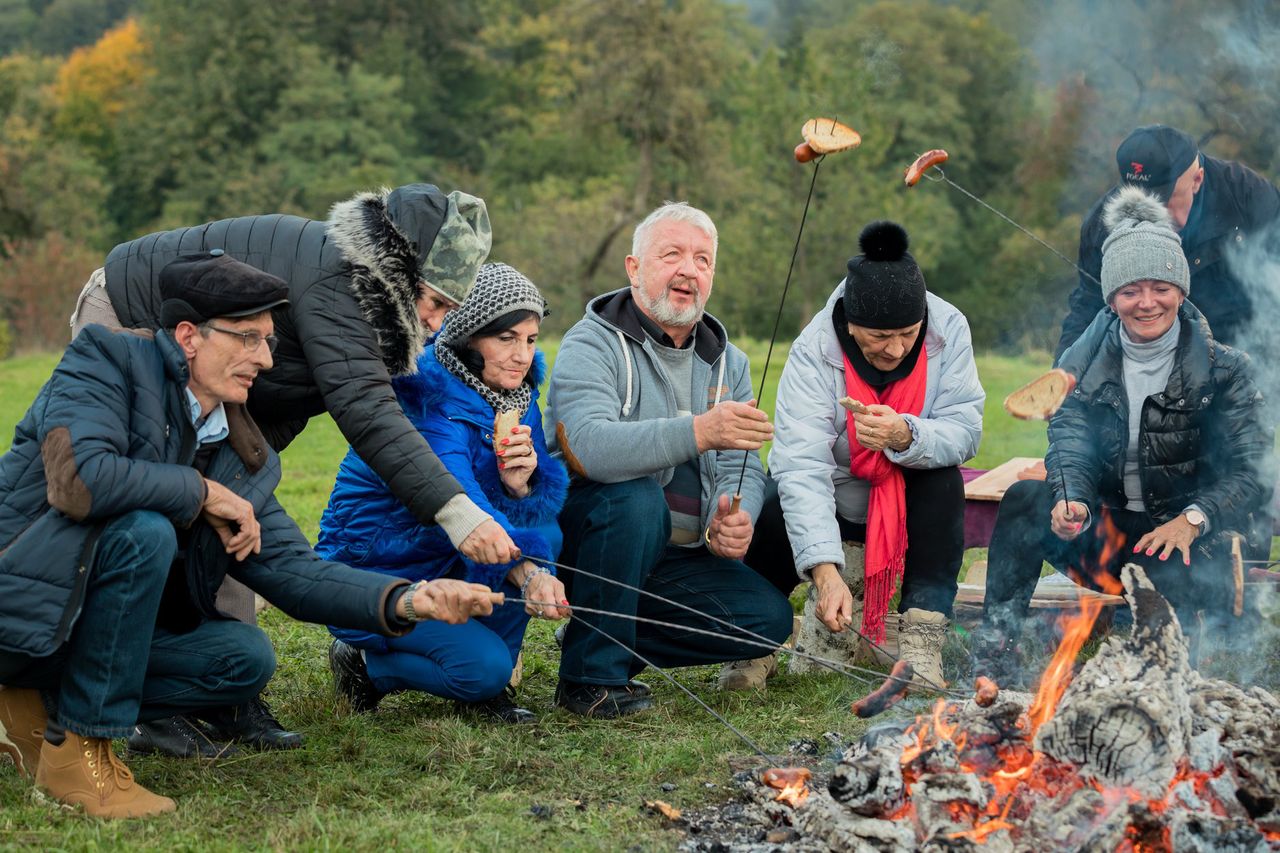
point(886, 695)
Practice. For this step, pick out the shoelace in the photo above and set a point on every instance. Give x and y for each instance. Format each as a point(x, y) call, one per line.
point(101, 756)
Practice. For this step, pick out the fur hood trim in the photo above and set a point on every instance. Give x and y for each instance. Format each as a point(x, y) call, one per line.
point(384, 276)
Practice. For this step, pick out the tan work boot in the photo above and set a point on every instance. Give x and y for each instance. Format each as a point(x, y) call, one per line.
point(888, 652)
point(22, 720)
point(921, 634)
point(748, 674)
point(83, 771)
point(817, 639)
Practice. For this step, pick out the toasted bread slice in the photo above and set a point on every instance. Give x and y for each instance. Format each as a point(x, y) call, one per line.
point(854, 406)
point(503, 423)
point(827, 136)
point(1040, 398)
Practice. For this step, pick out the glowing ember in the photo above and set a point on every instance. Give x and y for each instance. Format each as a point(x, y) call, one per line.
point(792, 784)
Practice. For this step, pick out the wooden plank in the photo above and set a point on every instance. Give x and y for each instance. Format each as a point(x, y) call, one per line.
point(992, 485)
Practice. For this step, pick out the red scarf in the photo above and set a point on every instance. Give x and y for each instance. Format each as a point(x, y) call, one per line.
point(886, 545)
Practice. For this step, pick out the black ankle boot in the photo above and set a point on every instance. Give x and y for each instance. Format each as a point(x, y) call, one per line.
point(179, 737)
point(351, 678)
point(252, 724)
point(501, 708)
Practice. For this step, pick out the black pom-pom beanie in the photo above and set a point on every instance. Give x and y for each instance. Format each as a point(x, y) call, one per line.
point(884, 288)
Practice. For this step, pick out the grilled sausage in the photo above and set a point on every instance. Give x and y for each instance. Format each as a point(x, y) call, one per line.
point(924, 163)
point(886, 695)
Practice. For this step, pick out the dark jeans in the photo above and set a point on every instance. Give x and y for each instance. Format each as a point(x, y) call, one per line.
point(935, 540)
point(117, 668)
point(1023, 538)
point(620, 530)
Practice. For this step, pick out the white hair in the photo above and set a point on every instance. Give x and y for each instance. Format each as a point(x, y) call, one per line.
point(673, 211)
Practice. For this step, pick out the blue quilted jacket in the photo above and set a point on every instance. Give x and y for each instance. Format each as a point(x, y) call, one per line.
point(364, 525)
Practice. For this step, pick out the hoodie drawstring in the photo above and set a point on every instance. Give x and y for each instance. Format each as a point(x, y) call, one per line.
point(626, 356)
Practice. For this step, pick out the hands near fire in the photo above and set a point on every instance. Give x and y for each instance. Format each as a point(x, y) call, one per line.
point(489, 544)
point(451, 601)
point(835, 601)
point(517, 460)
point(730, 425)
point(729, 534)
point(542, 591)
point(882, 428)
point(1067, 519)
point(231, 516)
point(1176, 534)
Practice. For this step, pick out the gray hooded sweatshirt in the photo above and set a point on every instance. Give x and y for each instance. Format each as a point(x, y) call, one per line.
point(621, 422)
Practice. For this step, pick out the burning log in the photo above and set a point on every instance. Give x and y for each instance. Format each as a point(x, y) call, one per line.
point(1124, 719)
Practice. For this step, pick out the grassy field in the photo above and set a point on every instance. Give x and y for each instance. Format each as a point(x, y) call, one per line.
point(414, 775)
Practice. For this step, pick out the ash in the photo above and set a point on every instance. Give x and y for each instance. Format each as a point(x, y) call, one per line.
point(1142, 753)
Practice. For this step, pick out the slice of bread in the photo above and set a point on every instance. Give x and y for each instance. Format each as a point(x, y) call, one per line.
point(853, 406)
point(1040, 398)
point(503, 423)
point(827, 136)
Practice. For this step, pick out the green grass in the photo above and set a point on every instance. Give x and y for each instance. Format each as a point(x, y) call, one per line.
point(416, 775)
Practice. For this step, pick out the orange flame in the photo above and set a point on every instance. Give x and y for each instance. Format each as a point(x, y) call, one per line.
point(1075, 630)
point(792, 784)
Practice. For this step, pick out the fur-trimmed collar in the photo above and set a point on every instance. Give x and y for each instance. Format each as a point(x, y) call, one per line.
point(384, 276)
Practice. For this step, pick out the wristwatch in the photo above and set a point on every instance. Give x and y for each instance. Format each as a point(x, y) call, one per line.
point(1196, 517)
point(407, 598)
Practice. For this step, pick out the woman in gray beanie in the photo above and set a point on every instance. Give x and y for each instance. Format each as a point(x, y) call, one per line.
point(1160, 446)
point(474, 398)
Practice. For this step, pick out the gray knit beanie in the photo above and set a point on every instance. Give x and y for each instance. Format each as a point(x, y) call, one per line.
point(498, 291)
point(1142, 244)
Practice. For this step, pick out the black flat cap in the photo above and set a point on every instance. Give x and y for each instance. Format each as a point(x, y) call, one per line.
point(200, 287)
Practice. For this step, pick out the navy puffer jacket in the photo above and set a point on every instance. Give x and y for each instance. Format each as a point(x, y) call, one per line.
point(1202, 439)
point(108, 434)
point(365, 526)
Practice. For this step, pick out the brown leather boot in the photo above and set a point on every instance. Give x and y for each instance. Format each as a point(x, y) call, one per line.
point(22, 720)
point(83, 771)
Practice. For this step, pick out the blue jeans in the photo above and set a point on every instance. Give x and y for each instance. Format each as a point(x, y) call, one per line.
point(470, 662)
point(620, 530)
point(117, 668)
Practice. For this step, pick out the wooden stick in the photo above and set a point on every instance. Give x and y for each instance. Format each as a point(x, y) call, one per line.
point(735, 504)
point(1237, 574)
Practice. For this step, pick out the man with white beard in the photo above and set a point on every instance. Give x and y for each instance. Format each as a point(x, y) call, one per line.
point(653, 413)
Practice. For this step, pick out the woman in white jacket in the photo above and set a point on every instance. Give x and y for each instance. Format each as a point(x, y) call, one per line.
point(894, 492)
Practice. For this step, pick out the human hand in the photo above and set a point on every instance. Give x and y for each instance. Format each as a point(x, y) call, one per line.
point(1067, 519)
point(731, 425)
point(835, 601)
point(452, 601)
point(232, 518)
point(489, 544)
point(544, 596)
point(1177, 534)
point(881, 427)
point(729, 534)
point(517, 460)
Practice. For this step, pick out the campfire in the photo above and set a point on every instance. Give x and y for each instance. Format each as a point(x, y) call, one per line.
point(1137, 752)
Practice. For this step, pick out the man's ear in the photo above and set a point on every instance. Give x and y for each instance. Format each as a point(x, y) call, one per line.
point(185, 334)
point(633, 268)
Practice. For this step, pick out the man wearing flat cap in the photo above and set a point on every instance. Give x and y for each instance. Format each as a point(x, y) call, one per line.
point(135, 483)
point(367, 288)
point(1216, 206)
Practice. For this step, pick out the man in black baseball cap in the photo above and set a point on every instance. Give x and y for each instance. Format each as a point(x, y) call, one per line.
point(1217, 207)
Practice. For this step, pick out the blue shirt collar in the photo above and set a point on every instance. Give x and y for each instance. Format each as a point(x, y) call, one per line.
point(209, 429)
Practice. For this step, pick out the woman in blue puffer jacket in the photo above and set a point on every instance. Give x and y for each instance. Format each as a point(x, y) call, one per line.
point(483, 363)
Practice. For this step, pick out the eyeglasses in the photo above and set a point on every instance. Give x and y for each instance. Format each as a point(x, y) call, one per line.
point(252, 340)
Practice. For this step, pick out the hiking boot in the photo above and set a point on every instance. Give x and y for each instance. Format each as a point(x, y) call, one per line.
point(22, 720)
point(252, 724)
point(921, 634)
point(177, 736)
point(351, 678)
point(83, 771)
point(889, 650)
point(602, 701)
point(501, 708)
point(748, 674)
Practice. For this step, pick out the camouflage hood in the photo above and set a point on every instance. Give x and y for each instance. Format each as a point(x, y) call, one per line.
point(395, 238)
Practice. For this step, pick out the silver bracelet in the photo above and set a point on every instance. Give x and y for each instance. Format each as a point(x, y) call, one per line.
point(538, 570)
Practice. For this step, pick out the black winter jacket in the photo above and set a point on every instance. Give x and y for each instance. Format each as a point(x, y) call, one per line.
point(110, 433)
point(1237, 205)
point(1202, 439)
point(349, 327)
